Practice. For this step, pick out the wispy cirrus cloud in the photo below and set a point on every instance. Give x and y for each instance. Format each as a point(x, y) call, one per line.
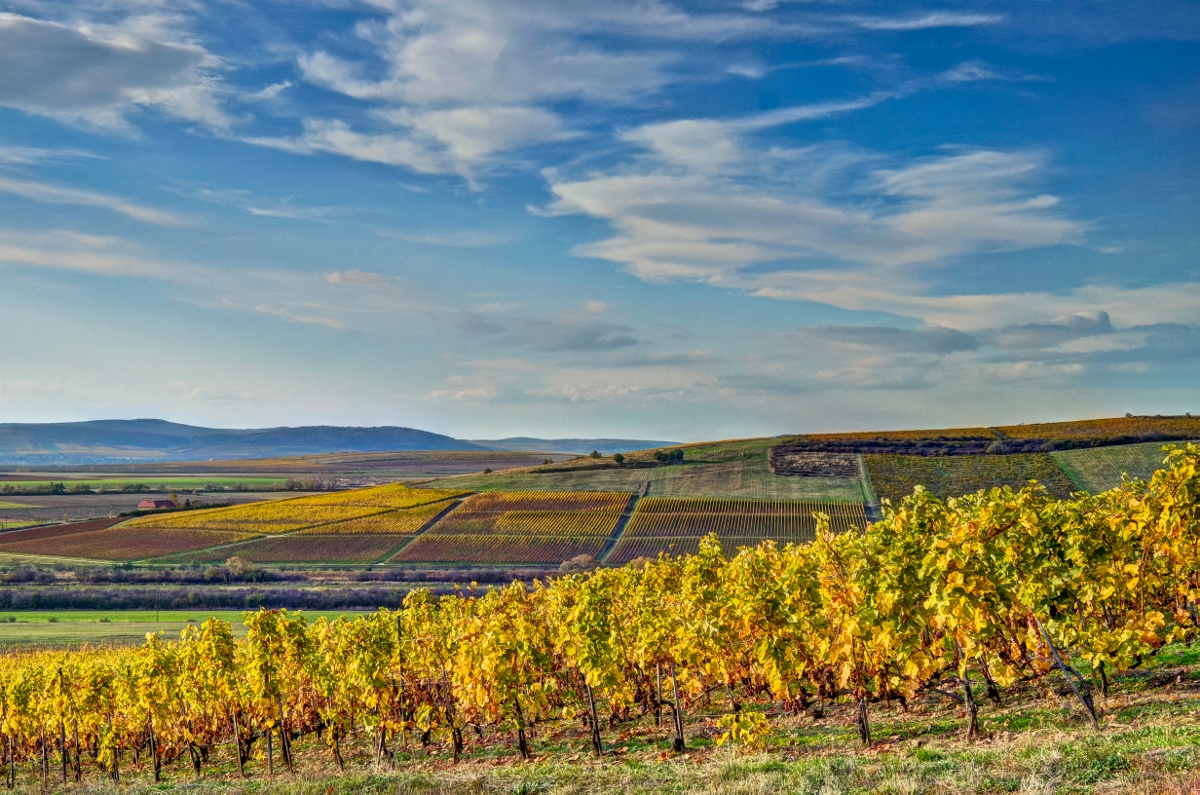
point(926, 21)
point(57, 194)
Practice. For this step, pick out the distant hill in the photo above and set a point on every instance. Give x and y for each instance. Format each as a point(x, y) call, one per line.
point(118, 441)
point(578, 446)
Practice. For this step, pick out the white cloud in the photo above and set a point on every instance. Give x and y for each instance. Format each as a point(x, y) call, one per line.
point(933, 19)
point(270, 92)
point(969, 72)
point(678, 214)
point(32, 155)
point(54, 194)
point(96, 75)
point(595, 307)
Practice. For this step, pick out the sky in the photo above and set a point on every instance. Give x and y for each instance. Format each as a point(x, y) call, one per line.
point(639, 218)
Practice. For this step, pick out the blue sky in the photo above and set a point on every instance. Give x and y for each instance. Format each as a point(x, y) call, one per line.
point(668, 220)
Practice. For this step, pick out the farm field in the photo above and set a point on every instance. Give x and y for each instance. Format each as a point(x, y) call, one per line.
point(520, 527)
point(51, 531)
point(77, 507)
point(120, 627)
point(153, 483)
point(676, 525)
point(746, 475)
point(282, 516)
point(115, 543)
point(405, 521)
point(493, 548)
point(298, 548)
point(1100, 468)
point(894, 477)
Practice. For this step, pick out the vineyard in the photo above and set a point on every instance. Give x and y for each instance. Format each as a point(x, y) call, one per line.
point(520, 527)
point(1102, 468)
point(282, 516)
point(306, 548)
point(676, 525)
point(115, 543)
point(972, 598)
point(894, 477)
point(406, 521)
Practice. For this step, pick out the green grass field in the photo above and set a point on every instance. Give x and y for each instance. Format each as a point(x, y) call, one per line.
point(734, 473)
point(1100, 468)
point(74, 627)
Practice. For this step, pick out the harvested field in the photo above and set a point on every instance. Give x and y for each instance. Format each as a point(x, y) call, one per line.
point(894, 477)
point(122, 543)
point(430, 548)
point(346, 548)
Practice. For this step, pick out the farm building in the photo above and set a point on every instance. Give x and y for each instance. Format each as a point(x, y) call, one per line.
point(156, 505)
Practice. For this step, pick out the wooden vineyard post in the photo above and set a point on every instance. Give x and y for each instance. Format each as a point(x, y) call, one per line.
point(45, 762)
point(237, 738)
point(658, 702)
point(62, 731)
point(285, 745)
point(270, 754)
point(78, 759)
point(968, 698)
point(679, 744)
point(153, 749)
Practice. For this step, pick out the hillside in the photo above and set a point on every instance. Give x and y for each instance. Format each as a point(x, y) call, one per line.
point(576, 446)
point(115, 441)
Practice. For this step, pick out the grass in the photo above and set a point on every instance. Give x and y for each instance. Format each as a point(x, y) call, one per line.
point(16, 525)
point(895, 476)
point(1100, 468)
point(74, 627)
point(1036, 742)
point(4, 506)
point(718, 470)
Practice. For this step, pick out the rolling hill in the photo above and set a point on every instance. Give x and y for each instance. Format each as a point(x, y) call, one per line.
point(115, 441)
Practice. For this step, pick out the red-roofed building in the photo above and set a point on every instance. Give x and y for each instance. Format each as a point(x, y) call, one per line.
point(156, 505)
